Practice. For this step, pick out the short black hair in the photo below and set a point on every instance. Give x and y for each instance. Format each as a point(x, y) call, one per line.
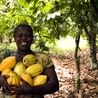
point(22, 25)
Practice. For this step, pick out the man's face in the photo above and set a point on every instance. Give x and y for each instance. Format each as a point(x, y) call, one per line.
point(23, 39)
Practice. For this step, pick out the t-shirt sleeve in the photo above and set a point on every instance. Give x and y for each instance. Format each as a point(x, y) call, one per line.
point(45, 60)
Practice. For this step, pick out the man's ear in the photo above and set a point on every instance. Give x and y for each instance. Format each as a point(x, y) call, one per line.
point(33, 41)
point(14, 40)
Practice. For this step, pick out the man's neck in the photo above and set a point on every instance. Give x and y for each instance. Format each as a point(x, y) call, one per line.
point(24, 52)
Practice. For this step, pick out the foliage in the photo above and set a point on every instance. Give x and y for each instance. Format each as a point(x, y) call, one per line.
point(50, 19)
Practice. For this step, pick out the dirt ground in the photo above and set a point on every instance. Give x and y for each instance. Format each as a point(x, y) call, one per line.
point(66, 71)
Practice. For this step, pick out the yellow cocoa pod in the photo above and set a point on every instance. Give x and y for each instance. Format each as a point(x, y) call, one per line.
point(29, 59)
point(6, 72)
point(19, 68)
point(13, 78)
point(8, 62)
point(27, 77)
point(14, 96)
point(39, 80)
point(34, 69)
point(10, 96)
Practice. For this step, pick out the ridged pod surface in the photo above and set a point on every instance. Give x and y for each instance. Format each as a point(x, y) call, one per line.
point(19, 68)
point(8, 62)
point(39, 80)
point(13, 78)
point(6, 72)
point(14, 96)
point(29, 60)
point(27, 77)
point(34, 69)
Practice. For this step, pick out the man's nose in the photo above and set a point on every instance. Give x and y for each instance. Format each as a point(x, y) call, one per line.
point(24, 37)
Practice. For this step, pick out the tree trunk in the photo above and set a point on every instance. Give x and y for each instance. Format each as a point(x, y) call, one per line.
point(90, 31)
point(92, 48)
point(77, 40)
point(91, 38)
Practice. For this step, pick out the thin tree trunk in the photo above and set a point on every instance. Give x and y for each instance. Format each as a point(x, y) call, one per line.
point(77, 40)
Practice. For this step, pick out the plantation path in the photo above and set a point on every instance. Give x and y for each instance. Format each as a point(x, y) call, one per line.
point(66, 71)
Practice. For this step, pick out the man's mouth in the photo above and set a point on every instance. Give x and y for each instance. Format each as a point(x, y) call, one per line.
point(23, 43)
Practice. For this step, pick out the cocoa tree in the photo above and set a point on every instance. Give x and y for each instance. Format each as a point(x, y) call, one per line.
point(52, 19)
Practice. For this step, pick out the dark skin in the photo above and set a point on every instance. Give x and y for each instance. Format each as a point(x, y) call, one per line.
point(23, 40)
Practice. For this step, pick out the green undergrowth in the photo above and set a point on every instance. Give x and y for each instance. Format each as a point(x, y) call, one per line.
point(59, 48)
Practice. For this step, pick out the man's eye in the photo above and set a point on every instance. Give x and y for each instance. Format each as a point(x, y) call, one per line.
point(28, 35)
point(19, 36)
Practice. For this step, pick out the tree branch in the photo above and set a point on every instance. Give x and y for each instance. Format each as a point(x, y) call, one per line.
point(94, 6)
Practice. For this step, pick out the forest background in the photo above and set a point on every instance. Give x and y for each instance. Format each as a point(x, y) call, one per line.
point(53, 21)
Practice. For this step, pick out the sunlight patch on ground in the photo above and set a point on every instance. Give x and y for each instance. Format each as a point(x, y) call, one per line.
point(69, 43)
